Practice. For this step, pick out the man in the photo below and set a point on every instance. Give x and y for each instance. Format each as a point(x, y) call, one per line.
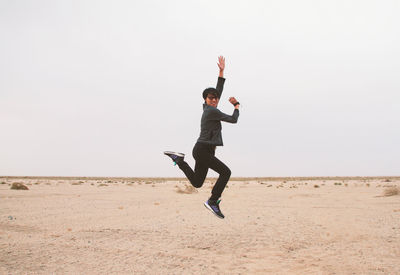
point(210, 137)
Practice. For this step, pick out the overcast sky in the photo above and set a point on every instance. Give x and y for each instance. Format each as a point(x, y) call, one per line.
point(102, 88)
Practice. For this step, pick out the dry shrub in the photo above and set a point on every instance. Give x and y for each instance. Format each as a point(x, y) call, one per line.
point(389, 185)
point(188, 190)
point(391, 191)
point(316, 186)
point(102, 184)
point(19, 186)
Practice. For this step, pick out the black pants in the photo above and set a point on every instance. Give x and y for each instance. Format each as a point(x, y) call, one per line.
point(204, 155)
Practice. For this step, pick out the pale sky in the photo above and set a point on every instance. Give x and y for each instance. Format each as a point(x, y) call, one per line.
point(102, 88)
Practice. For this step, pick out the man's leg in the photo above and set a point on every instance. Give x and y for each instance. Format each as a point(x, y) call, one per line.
point(202, 154)
point(224, 175)
point(197, 176)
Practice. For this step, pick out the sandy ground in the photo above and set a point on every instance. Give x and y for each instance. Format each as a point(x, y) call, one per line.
point(143, 226)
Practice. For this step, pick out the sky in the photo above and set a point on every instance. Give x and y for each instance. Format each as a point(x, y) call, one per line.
point(102, 88)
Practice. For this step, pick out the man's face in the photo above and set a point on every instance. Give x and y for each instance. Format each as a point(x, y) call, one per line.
point(212, 100)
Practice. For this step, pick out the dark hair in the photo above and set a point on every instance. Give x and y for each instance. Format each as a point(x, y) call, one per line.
point(208, 91)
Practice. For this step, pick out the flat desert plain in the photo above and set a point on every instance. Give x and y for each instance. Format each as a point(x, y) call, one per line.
point(160, 226)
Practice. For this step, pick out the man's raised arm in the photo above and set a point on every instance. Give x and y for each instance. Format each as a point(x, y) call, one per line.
point(221, 79)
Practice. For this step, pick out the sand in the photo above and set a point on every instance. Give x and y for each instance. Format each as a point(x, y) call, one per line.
point(159, 226)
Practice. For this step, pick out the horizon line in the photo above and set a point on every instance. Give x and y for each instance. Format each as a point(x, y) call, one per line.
point(238, 178)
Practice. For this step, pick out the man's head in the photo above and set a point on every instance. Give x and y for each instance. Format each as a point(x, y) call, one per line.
point(210, 96)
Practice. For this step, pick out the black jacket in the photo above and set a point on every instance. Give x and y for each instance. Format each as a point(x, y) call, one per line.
point(210, 128)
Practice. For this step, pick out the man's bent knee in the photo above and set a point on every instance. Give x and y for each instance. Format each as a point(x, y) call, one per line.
point(197, 184)
point(227, 173)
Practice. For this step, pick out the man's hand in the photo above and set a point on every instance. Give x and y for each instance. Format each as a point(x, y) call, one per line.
point(221, 65)
point(234, 101)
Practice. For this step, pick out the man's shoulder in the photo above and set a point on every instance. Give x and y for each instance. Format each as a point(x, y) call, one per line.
point(210, 109)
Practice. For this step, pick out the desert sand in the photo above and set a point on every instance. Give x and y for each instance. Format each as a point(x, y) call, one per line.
point(160, 226)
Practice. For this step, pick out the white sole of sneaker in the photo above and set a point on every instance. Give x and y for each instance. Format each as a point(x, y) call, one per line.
point(174, 153)
point(209, 208)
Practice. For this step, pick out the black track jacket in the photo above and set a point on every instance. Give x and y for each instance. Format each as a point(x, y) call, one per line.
point(210, 127)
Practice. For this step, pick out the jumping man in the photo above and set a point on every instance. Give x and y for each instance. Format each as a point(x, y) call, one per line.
point(210, 137)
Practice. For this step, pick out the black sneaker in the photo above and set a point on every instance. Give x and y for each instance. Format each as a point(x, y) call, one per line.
point(176, 157)
point(213, 206)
